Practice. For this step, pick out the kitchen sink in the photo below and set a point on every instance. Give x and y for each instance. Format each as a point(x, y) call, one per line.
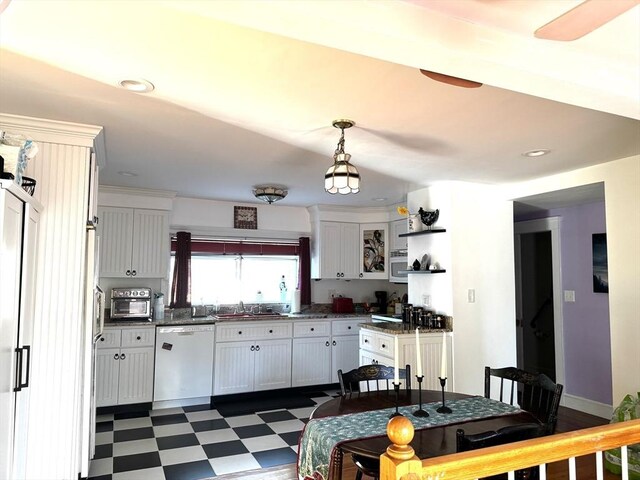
point(248, 315)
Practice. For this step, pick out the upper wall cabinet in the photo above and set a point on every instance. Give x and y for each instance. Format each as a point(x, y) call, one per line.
point(133, 242)
point(336, 251)
point(398, 227)
point(374, 251)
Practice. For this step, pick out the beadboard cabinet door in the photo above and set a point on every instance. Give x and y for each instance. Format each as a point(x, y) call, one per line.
point(133, 242)
point(311, 361)
point(338, 251)
point(107, 376)
point(136, 375)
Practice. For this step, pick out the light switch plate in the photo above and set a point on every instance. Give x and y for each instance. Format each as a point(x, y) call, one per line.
point(471, 295)
point(426, 300)
point(569, 295)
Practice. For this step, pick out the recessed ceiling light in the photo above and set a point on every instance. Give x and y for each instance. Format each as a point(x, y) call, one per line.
point(128, 174)
point(379, 199)
point(138, 86)
point(536, 153)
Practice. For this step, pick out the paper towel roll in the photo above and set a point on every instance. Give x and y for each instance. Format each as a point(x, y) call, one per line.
point(295, 301)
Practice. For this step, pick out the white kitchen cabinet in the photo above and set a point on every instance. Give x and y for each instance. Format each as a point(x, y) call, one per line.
point(336, 251)
point(398, 227)
point(252, 356)
point(374, 251)
point(311, 353)
point(134, 242)
point(344, 345)
point(378, 347)
point(124, 366)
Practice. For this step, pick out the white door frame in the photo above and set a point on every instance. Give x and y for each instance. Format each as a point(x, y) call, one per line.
point(549, 224)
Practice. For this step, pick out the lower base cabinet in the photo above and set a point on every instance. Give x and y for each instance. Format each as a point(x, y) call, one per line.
point(124, 366)
point(344, 353)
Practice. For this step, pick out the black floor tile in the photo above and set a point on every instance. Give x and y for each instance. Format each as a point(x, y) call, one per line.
point(104, 427)
point(128, 415)
point(104, 451)
point(197, 408)
point(177, 441)
point(205, 425)
point(136, 462)
point(189, 471)
point(101, 477)
point(132, 434)
point(169, 419)
point(279, 456)
point(276, 416)
point(250, 431)
point(224, 449)
point(316, 394)
point(290, 437)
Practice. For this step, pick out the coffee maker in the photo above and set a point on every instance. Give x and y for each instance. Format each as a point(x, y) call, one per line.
point(381, 297)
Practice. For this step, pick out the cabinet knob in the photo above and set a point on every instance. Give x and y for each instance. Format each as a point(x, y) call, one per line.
point(128, 273)
point(366, 341)
point(102, 339)
point(133, 273)
point(349, 327)
point(361, 275)
point(384, 346)
point(312, 329)
point(334, 343)
point(116, 356)
point(239, 332)
point(327, 343)
point(138, 337)
point(253, 348)
point(270, 331)
point(257, 348)
point(342, 274)
point(122, 356)
point(338, 274)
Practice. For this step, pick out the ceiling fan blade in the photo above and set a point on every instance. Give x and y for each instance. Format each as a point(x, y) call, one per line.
point(583, 19)
point(448, 79)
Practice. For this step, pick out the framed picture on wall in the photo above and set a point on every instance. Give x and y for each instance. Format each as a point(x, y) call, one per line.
point(600, 269)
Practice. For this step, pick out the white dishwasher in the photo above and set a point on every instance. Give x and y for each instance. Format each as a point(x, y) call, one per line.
point(184, 362)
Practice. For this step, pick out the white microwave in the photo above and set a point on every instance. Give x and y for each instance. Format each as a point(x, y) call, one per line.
point(398, 263)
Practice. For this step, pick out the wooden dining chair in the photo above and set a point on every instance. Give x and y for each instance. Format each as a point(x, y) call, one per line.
point(533, 392)
point(511, 433)
point(373, 377)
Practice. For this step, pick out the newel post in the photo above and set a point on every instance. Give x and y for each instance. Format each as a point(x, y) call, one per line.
point(400, 458)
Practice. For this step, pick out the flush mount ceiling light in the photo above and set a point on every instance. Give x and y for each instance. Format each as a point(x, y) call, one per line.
point(270, 193)
point(536, 153)
point(138, 86)
point(128, 174)
point(342, 177)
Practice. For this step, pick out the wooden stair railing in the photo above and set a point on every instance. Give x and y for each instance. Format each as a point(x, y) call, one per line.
point(400, 462)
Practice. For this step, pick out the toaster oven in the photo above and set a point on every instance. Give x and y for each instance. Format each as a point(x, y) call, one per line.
point(131, 303)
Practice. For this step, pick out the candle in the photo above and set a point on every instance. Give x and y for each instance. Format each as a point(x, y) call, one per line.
point(418, 359)
point(443, 362)
point(396, 375)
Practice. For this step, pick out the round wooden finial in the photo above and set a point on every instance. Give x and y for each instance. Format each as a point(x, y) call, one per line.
point(400, 431)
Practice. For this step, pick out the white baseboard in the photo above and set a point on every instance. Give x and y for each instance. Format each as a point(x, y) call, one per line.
point(184, 402)
point(587, 406)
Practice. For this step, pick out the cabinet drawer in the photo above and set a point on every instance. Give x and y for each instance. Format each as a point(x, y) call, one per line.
point(138, 337)
point(311, 329)
point(346, 327)
point(110, 338)
point(237, 332)
point(384, 345)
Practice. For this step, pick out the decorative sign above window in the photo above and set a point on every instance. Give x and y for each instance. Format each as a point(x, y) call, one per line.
point(245, 217)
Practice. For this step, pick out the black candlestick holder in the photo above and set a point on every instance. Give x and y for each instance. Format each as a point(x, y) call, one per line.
point(443, 408)
point(420, 412)
point(396, 388)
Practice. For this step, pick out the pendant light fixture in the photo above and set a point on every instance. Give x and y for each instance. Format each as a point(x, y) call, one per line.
point(342, 177)
point(270, 193)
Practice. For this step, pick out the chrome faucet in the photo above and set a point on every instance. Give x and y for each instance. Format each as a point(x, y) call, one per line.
point(240, 307)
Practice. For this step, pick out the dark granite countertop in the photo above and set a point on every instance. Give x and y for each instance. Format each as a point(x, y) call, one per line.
point(395, 328)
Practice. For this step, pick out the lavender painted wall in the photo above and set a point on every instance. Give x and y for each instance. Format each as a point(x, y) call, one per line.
point(587, 340)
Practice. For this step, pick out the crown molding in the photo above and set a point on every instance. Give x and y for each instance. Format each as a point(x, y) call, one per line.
point(112, 189)
point(55, 131)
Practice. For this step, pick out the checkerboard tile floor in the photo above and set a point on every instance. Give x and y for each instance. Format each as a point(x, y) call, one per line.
point(196, 442)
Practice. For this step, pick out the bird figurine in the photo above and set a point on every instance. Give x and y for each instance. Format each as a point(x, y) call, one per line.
point(429, 217)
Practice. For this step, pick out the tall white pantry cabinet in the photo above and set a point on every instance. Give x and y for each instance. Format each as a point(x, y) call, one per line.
point(54, 414)
point(19, 216)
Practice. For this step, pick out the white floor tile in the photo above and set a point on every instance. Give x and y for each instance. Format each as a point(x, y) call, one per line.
point(135, 446)
point(321, 400)
point(132, 423)
point(244, 420)
point(107, 417)
point(234, 463)
point(103, 438)
point(145, 474)
point(182, 455)
point(101, 466)
point(166, 411)
point(287, 426)
point(216, 436)
point(266, 442)
point(304, 412)
point(295, 449)
point(174, 429)
point(203, 415)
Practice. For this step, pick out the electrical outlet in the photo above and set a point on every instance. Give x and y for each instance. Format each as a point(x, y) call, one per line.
point(471, 295)
point(426, 300)
point(332, 294)
point(569, 295)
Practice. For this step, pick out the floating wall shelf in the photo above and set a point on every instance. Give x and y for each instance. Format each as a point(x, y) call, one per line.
point(423, 232)
point(420, 272)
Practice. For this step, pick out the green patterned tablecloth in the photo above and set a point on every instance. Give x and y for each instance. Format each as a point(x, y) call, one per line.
point(321, 435)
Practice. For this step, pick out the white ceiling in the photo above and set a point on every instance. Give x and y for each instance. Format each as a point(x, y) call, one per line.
point(246, 90)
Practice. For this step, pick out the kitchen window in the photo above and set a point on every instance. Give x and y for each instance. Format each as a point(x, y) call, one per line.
point(228, 271)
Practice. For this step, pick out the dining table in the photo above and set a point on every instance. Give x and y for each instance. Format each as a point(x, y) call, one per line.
point(356, 424)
